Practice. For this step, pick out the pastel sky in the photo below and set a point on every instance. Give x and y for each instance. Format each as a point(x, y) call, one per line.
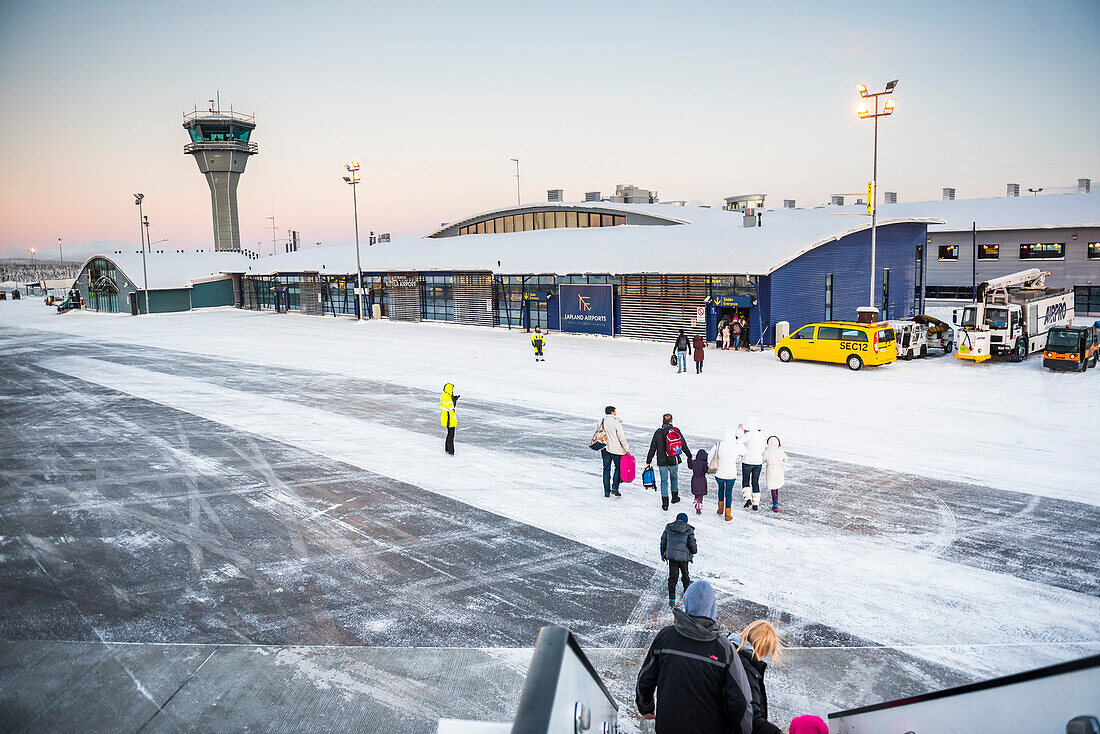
point(696, 100)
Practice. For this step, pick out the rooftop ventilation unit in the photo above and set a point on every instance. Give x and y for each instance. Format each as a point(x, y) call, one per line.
point(788, 203)
point(553, 195)
point(949, 194)
point(1083, 185)
point(751, 218)
point(591, 195)
point(890, 197)
point(1013, 190)
point(836, 200)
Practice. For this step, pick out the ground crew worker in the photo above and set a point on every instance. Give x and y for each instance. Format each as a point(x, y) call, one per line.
point(538, 341)
point(448, 419)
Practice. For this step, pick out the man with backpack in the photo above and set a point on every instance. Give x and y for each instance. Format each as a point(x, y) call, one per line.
point(680, 351)
point(668, 445)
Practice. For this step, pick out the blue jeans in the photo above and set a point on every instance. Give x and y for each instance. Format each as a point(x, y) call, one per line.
point(608, 461)
point(669, 474)
point(682, 360)
point(725, 490)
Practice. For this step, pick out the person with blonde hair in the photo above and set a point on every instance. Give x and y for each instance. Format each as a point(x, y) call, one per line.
point(757, 641)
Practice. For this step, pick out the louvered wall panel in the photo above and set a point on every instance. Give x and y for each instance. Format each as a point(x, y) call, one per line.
point(658, 306)
point(471, 292)
point(309, 294)
point(404, 299)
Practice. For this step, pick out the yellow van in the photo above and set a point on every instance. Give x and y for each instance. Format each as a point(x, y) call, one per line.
point(845, 342)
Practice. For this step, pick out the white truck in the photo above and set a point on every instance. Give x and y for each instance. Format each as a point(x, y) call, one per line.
point(1011, 316)
point(910, 338)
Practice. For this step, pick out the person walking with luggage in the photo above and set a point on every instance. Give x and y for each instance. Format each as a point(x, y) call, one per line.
point(680, 351)
point(775, 459)
point(737, 329)
point(538, 341)
point(615, 449)
point(724, 456)
point(448, 419)
point(752, 457)
point(698, 467)
point(667, 446)
point(697, 347)
point(697, 676)
point(757, 641)
point(678, 548)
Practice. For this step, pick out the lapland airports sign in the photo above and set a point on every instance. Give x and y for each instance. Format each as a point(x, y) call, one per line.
point(587, 309)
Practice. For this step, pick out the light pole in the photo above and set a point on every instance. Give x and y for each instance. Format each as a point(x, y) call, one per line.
point(518, 199)
point(1035, 192)
point(864, 113)
point(143, 226)
point(353, 181)
point(61, 255)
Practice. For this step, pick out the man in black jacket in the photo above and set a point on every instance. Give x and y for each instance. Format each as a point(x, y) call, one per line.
point(678, 547)
point(700, 685)
point(669, 466)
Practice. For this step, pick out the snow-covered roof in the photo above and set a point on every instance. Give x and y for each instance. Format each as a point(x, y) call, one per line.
point(1003, 212)
point(169, 270)
point(707, 241)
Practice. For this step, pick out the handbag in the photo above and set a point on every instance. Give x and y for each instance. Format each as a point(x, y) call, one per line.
point(672, 360)
point(712, 467)
point(599, 438)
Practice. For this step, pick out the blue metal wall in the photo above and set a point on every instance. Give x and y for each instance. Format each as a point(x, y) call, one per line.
point(796, 292)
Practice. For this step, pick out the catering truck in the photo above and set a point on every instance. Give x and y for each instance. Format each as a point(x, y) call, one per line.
point(1011, 316)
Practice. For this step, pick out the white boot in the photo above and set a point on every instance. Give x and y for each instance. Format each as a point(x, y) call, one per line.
point(755, 501)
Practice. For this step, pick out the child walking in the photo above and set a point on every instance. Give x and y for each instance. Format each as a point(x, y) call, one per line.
point(698, 467)
point(774, 461)
point(678, 548)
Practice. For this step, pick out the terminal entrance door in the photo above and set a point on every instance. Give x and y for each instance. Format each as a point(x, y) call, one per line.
point(726, 314)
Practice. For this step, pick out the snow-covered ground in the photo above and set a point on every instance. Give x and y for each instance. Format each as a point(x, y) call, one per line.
point(1012, 426)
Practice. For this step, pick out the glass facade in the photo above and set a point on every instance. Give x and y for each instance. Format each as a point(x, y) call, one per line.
point(1086, 299)
point(277, 293)
point(437, 298)
point(205, 132)
point(338, 294)
point(556, 219)
point(102, 294)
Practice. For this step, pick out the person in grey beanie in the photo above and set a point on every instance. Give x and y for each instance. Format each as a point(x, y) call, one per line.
point(697, 676)
point(678, 547)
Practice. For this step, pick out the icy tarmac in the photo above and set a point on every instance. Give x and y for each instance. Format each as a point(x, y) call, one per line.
point(229, 520)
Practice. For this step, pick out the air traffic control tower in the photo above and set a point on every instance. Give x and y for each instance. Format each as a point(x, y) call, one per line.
point(219, 142)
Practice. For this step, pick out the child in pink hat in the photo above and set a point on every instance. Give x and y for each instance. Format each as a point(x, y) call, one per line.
point(808, 725)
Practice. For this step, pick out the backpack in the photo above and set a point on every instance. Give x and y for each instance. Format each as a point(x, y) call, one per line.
point(599, 438)
point(674, 442)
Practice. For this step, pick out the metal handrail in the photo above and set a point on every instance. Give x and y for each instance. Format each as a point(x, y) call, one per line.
point(221, 145)
point(198, 115)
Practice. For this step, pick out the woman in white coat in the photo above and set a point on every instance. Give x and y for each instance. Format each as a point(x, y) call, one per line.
point(752, 450)
point(725, 455)
point(774, 461)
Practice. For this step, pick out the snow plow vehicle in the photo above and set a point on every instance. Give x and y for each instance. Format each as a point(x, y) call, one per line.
point(1072, 348)
point(1012, 316)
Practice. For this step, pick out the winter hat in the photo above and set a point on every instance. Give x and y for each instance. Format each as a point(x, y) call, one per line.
point(682, 516)
point(699, 600)
point(807, 724)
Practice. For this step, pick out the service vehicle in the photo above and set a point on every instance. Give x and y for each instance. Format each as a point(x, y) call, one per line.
point(910, 338)
point(845, 342)
point(1011, 316)
point(1072, 348)
point(937, 334)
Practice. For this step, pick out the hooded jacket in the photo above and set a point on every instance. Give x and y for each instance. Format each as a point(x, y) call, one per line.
point(697, 347)
point(775, 459)
point(752, 443)
point(700, 683)
point(728, 451)
point(447, 401)
point(657, 447)
point(698, 467)
point(754, 669)
point(678, 541)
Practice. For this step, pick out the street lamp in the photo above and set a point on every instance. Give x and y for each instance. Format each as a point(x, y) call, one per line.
point(865, 113)
point(518, 199)
point(142, 231)
point(1035, 192)
point(61, 254)
point(353, 181)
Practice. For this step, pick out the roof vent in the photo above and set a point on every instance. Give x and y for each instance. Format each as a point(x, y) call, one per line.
point(949, 194)
point(890, 197)
point(553, 195)
point(1013, 190)
point(788, 203)
point(836, 200)
point(591, 195)
point(751, 218)
point(1083, 185)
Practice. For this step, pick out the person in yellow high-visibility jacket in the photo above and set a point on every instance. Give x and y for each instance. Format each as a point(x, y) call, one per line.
point(538, 341)
point(448, 419)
